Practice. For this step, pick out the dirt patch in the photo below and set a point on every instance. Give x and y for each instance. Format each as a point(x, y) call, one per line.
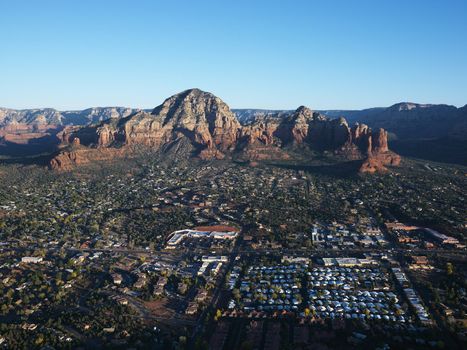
point(218, 228)
point(158, 308)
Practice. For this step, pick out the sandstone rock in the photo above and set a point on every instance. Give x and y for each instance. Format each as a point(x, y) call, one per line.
point(380, 142)
point(378, 162)
point(202, 124)
point(70, 159)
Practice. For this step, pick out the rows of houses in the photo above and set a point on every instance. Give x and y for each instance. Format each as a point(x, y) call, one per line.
point(344, 289)
point(234, 276)
point(271, 288)
point(353, 293)
point(348, 278)
point(417, 305)
point(358, 304)
point(412, 296)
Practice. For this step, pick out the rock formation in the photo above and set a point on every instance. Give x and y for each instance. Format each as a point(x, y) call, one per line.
point(200, 124)
point(45, 127)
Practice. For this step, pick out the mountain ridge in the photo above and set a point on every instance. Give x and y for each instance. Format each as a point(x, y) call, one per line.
point(214, 132)
point(413, 129)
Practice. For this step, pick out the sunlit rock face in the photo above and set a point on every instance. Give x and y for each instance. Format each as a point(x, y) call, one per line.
point(206, 128)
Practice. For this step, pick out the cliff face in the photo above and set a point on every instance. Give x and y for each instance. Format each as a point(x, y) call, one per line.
point(69, 159)
point(199, 116)
point(205, 127)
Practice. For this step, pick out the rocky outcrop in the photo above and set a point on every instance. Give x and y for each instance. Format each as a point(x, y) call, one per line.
point(378, 162)
point(105, 136)
point(200, 124)
point(71, 158)
point(380, 142)
point(47, 127)
point(199, 116)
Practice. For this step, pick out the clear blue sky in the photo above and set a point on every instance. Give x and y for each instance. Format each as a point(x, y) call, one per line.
point(327, 54)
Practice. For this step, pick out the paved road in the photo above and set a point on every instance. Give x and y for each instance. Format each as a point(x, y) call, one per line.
point(219, 286)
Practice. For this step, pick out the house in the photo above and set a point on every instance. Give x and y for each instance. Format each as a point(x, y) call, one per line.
point(31, 259)
point(141, 282)
point(442, 238)
point(420, 262)
point(201, 296)
point(159, 288)
point(117, 278)
point(192, 308)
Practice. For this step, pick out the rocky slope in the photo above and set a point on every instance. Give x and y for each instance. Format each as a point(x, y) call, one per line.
point(199, 124)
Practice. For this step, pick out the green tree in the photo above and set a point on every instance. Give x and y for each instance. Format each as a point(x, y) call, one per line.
point(449, 269)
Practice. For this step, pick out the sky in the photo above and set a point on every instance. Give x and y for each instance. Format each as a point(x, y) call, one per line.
point(329, 54)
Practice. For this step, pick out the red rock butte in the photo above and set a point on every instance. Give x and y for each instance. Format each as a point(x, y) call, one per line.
point(199, 124)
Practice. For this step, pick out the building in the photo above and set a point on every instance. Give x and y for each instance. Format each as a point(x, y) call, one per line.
point(420, 259)
point(159, 288)
point(295, 260)
point(31, 259)
point(347, 262)
point(192, 308)
point(316, 236)
point(210, 259)
point(400, 226)
point(117, 278)
point(141, 282)
point(178, 236)
point(441, 238)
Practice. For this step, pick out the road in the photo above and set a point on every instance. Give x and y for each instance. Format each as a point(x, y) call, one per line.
point(218, 289)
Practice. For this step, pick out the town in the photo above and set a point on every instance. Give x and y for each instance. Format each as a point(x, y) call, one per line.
point(231, 257)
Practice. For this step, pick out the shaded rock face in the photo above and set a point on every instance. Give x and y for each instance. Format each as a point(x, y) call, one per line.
point(411, 120)
point(205, 127)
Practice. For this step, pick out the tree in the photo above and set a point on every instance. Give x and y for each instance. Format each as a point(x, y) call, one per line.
point(449, 269)
point(39, 340)
point(246, 345)
point(236, 294)
point(218, 315)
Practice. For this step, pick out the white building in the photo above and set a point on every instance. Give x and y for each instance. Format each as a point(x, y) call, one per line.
point(31, 259)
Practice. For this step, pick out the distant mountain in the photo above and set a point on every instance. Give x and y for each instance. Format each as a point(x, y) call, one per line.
point(246, 116)
point(427, 131)
point(50, 116)
point(198, 124)
point(352, 115)
point(33, 131)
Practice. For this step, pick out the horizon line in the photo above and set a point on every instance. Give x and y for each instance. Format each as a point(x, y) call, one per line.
point(232, 108)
